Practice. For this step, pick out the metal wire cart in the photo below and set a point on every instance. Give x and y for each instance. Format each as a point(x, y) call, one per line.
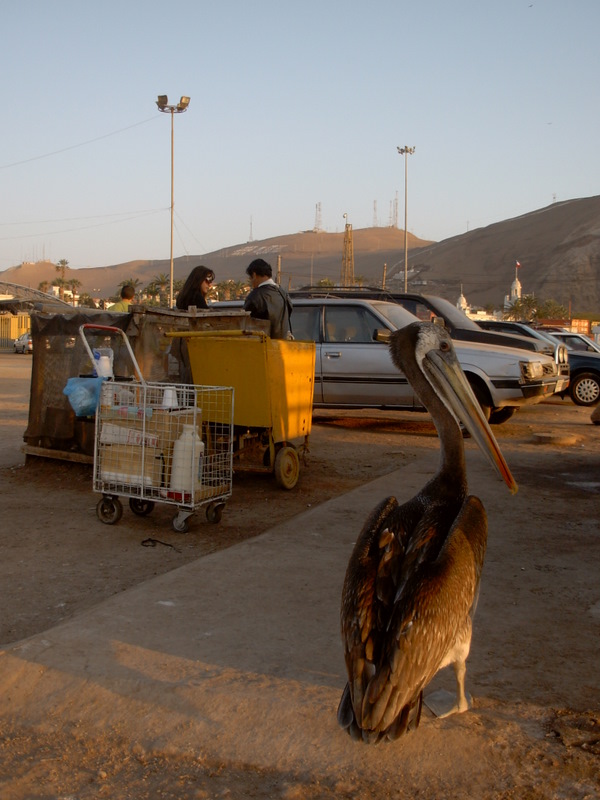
point(161, 442)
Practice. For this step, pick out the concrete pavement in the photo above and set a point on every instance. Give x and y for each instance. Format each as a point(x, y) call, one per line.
point(236, 655)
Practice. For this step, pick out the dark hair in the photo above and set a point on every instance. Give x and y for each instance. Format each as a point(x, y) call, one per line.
point(191, 293)
point(259, 267)
point(127, 292)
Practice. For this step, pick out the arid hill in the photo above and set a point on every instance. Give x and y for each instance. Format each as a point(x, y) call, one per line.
point(558, 248)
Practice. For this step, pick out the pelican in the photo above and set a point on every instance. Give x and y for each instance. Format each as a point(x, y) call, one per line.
point(412, 581)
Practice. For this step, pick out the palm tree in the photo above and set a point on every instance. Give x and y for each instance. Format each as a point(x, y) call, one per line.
point(61, 283)
point(523, 308)
point(550, 309)
point(73, 285)
point(43, 287)
point(228, 290)
point(160, 283)
point(86, 300)
point(62, 266)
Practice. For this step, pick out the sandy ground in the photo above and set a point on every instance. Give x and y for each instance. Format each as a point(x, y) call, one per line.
point(209, 665)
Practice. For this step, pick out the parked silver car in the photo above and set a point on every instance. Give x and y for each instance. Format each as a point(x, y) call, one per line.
point(23, 344)
point(353, 366)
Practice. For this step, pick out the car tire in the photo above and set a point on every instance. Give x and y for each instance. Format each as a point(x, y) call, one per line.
point(500, 415)
point(482, 396)
point(585, 389)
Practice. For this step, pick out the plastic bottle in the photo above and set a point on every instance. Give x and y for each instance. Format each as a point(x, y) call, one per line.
point(188, 453)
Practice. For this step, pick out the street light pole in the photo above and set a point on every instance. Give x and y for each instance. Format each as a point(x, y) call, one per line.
point(405, 151)
point(163, 105)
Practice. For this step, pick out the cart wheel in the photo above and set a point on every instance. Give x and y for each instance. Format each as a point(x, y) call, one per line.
point(287, 467)
point(180, 525)
point(140, 507)
point(214, 512)
point(109, 510)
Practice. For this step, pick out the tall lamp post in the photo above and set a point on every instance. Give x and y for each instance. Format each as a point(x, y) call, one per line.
point(163, 105)
point(405, 151)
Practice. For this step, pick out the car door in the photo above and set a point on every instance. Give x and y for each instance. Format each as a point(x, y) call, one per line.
point(306, 327)
point(356, 370)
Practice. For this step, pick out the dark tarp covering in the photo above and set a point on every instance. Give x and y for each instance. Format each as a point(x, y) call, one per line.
point(59, 354)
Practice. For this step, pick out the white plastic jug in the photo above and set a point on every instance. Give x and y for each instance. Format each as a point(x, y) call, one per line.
point(103, 362)
point(188, 454)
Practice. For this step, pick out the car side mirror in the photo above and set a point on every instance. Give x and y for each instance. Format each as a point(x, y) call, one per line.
point(381, 335)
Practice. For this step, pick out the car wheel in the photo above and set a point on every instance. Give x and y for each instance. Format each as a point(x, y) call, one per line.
point(500, 415)
point(585, 389)
point(482, 396)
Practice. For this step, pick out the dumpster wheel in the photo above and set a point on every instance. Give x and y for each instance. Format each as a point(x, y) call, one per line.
point(287, 467)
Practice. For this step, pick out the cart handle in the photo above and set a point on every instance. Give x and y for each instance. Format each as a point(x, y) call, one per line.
point(110, 329)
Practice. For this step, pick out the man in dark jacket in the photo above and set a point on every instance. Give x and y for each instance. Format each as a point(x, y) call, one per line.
point(267, 300)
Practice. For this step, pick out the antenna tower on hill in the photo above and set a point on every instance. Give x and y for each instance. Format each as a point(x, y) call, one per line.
point(375, 220)
point(318, 221)
point(347, 277)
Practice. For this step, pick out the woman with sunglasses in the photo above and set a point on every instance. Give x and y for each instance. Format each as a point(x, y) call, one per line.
point(193, 293)
point(195, 289)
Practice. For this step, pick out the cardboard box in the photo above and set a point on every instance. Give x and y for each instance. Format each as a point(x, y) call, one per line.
point(131, 465)
point(116, 433)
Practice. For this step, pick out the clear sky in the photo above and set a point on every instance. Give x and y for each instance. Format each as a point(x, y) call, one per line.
point(292, 104)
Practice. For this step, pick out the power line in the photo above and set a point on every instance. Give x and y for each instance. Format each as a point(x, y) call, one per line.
point(75, 219)
point(82, 228)
point(74, 146)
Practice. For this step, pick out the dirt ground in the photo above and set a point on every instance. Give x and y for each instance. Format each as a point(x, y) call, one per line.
point(58, 561)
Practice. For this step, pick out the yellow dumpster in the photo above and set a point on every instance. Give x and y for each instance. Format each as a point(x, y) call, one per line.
point(273, 383)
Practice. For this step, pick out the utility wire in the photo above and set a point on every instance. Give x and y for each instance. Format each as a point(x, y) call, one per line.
point(84, 227)
point(81, 144)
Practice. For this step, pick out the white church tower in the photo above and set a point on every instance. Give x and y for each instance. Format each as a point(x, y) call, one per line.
point(461, 303)
point(515, 289)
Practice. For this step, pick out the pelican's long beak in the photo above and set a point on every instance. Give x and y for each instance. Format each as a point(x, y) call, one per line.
point(445, 373)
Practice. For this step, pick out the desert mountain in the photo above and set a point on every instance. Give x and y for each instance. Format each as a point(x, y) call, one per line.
point(558, 248)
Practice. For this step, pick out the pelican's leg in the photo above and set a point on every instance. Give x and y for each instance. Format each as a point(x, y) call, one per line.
point(443, 703)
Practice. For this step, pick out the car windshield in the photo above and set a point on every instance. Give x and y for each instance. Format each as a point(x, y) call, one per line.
point(578, 342)
point(396, 314)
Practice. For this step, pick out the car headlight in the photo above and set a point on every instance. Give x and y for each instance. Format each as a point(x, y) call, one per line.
point(563, 354)
point(531, 370)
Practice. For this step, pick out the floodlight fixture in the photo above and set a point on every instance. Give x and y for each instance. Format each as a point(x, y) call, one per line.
point(162, 101)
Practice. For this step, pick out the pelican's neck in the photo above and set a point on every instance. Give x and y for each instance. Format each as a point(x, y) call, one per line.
point(452, 472)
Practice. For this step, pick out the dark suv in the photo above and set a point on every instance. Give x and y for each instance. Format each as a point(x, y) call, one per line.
point(425, 307)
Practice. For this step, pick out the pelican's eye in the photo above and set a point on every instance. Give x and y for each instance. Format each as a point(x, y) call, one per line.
point(444, 346)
